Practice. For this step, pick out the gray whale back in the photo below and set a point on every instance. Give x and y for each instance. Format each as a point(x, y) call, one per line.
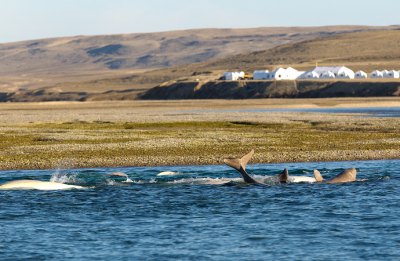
point(347, 175)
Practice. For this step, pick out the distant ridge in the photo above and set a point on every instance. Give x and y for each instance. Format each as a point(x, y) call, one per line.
point(67, 55)
point(97, 64)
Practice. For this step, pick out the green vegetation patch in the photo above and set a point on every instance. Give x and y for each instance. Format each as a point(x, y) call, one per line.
point(91, 144)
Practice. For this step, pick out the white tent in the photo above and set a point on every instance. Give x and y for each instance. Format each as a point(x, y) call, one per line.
point(376, 74)
point(385, 73)
point(338, 71)
point(279, 74)
point(346, 74)
point(392, 74)
point(233, 76)
point(261, 75)
point(310, 75)
point(328, 75)
point(361, 75)
point(285, 74)
point(293, 74)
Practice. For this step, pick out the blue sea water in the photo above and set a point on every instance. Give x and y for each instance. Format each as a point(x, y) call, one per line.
point(204, 213)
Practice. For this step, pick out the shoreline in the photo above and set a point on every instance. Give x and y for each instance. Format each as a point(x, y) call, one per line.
point(172, 133)
point(218, 163)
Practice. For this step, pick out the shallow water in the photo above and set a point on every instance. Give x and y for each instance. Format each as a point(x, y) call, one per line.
point(204, 213)
point(381, 112)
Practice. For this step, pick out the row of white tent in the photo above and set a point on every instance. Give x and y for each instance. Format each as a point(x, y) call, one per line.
point(319, 72)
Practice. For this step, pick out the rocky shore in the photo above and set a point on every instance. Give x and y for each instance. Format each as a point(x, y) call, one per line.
point(251, 89)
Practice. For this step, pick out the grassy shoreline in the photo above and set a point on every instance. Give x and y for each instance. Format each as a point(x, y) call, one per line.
point(299, 138)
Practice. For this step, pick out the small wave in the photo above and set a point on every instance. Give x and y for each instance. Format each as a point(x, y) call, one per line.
point(110, 182)
point(205, 181)
point(139, 182)
point(121, 174)
point(152, 181)
point(63, 178)
point(168, 173)
point(128, 180)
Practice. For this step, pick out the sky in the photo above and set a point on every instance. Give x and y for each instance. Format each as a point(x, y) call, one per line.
point(34, 19)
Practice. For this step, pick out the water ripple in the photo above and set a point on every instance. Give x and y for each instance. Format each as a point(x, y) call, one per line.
point(204, 213)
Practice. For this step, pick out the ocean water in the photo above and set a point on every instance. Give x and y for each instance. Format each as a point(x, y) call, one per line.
point(204, 213)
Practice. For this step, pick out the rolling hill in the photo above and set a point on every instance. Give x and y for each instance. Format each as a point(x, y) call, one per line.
point(126, 66)
point(73, 60)
point(360, 50)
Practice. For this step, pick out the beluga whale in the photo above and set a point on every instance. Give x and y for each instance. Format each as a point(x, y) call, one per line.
point(26, 184)
point(240, 164)
point(347, 175)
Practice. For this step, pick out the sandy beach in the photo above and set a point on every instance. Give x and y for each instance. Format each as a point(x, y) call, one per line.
point(191, 132)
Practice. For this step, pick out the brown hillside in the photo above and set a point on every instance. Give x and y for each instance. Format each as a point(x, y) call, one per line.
point(46, 62)
point(360, 50)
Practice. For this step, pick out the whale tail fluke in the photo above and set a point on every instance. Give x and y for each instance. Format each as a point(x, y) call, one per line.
point(317, 175)
point(284, 176)
point(239, 163)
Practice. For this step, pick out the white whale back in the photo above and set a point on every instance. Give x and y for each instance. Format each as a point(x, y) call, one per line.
point(37, 184)
point(301, 179)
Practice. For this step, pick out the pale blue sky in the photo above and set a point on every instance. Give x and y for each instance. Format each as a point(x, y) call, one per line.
point(31, 19)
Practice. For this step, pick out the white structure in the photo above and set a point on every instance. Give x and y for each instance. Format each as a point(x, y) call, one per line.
point(261, 75)
point(346, 74)
point(385, 73)
point(285, 74)
point(233, 76)
point(361, 75)
point(338, 71)
point(293, 73)
point(376, 74)
point(328, 75)
point(391, 74)
point(310, 75)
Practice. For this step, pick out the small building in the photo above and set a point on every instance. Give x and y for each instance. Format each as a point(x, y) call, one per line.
point(376, 74)
point(361, 75)
point(261, 75)
point(392, 74)
point(233, 76)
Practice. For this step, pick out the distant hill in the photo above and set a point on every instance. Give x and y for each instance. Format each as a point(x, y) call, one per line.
point(360, 50)
point(47, 62)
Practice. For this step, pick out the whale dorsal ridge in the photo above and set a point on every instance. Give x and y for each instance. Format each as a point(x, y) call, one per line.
point(284, 176)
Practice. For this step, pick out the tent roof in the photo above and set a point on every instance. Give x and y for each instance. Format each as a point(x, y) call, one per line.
point(334, 69)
